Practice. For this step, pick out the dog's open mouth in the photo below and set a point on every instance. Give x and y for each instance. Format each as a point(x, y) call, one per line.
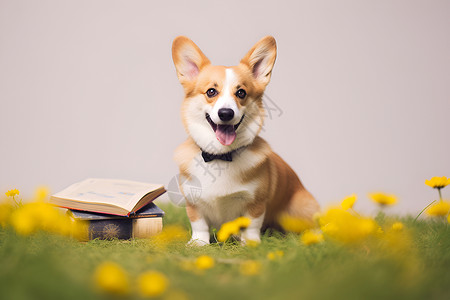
point(225, 134)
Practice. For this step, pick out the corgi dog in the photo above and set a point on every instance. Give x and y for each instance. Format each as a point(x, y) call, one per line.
point(235, 170)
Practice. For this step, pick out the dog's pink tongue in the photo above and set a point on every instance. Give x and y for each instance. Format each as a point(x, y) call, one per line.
point(225, 134)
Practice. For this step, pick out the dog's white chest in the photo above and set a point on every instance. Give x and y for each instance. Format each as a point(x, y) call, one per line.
point(222, 195)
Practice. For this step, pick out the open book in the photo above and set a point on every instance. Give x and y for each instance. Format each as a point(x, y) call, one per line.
point(108, 196)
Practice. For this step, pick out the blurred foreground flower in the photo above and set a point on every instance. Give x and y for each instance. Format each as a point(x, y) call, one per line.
point(296, 225)
point(348, 202)
point(275, 255)
point(383, 199)
point(111, 278)
point(232, 228)
point(342, 226)
point(310, 237)
point(31, 217)
point(152, 284)
point(250, 267)
point(438, 182)
point(35, 216)
point(440, 209)
point(5, 213)
point(23, 221)
point(397, 226)
point(204, 262)
point(169, 235)
point(41, 193)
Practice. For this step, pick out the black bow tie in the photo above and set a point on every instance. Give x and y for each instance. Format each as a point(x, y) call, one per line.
point(207, 157)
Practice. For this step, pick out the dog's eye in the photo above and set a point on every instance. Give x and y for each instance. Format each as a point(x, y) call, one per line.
point(241, 93)
point(211, 92)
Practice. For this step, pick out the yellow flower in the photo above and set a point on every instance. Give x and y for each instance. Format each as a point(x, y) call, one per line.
point(271, 256)
point(12, 193)
point(79, 230)
point(232, 228)
point(111, 278)
point(439, 209)
point(6, 210)
point(383, 199)
point(204, 262)
point(243, 222)
point(169, 235)
point(226, 230)
point(39, 215)
point(438, 182)
point(152, 284)
point(23, 221)
point(310, 237)
point(342, 226)
point(35, 216)
point(47, 217)
point(275, 255)
point(397, 226)
point(448, 218)
point(250, 267)
point(348, 201)
point(296, 225)
point(42, 193)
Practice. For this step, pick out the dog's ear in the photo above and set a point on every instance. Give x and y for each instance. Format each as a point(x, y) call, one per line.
point(188, 59)
point(261, 58)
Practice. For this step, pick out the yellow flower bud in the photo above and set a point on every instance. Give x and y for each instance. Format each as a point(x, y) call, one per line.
point(152, 284)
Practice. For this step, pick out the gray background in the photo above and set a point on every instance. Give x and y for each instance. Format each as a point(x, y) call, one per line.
point(88, 89)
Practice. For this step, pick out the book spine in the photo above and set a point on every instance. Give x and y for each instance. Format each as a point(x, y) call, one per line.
point(146, 227)
point(124, 229)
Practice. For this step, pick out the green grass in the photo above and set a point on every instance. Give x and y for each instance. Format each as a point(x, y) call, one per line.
point(44, 266)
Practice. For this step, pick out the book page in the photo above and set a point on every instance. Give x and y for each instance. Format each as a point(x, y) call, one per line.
point(122, 193)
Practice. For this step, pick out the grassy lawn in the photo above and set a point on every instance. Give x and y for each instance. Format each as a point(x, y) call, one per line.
point(46, 266)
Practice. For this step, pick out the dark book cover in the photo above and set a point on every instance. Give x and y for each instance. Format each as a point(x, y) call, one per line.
point(104, 226)
point(149, 210)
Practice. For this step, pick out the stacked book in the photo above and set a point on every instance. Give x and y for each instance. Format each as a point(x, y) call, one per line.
point(119, 209)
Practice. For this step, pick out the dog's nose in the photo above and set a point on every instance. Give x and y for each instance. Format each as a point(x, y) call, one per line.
point(226, 114)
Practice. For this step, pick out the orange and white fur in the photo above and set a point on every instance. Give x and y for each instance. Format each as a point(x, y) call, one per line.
point(223, 113)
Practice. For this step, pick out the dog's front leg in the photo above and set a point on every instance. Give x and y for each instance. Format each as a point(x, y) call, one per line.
point(200, 229)
point(255, 212)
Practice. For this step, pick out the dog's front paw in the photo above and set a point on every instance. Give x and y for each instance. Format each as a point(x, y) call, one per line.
point(199, 238)
point(250, 237)
point(250, 243)
point(197, 243)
